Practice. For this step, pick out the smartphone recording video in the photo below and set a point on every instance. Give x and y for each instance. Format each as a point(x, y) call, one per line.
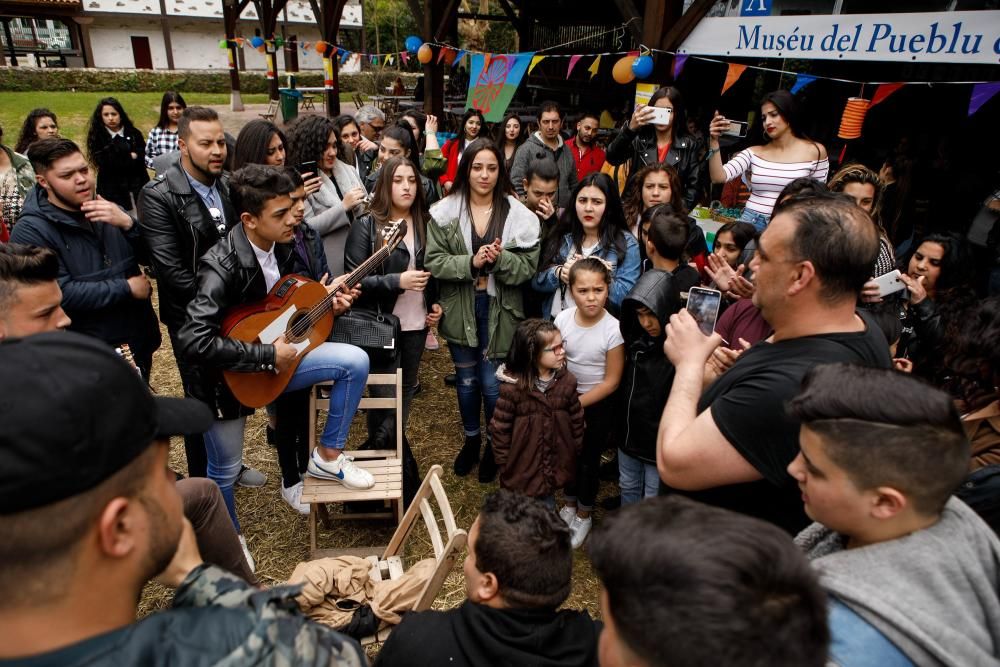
point(736, 129)
point(703, 304)
point(661, 115)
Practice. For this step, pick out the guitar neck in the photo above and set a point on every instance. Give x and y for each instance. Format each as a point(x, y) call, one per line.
point(352, 279)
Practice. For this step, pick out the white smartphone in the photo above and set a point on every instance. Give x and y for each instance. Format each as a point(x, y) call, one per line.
point(703, 304)
point(661, 115)
point(736, 128)
point(889, 283)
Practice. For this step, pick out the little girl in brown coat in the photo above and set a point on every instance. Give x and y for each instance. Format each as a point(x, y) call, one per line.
point(537, 425)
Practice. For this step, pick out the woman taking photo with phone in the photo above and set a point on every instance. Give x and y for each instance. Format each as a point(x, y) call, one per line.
point(482, 245)
point(314, 140)
point(400, 285)
point(788, 155)
point(115, 148)
point(657, 133)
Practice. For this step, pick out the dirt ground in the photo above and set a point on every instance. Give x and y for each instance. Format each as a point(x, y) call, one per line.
point(278, 537)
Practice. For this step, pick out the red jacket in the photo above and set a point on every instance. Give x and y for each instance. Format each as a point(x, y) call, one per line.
point(592, 160)
point(452, 151)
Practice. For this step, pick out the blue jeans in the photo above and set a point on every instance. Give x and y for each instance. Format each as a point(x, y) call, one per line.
point(755, 218)
point(856, 643)
point(476, 375)
point(345, 365)
point(636, 478)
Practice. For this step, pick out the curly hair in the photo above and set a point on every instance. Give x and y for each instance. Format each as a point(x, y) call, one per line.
point(859, 173)
point(530, 337)
point(28, 133)
point(96, 125)
point(308, 137)
point(632, 197)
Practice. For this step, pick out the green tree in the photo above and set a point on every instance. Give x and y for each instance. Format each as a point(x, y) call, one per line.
point(387, 25)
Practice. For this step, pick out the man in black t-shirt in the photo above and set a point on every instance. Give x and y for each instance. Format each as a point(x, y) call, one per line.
point(729, 445)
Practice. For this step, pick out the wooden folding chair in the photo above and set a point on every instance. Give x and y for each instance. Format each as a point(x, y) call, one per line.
point(358, 101)
point(308, 102)
point(386, 465)
point(272, 111)
point(389, 563)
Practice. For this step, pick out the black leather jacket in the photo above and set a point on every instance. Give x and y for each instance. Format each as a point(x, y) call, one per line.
point(177, 229)
point(640, 147)
point(228, 276)
point(380, 288)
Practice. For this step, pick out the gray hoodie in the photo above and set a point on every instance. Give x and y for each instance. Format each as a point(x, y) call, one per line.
point(935, 593)
point(535, 148)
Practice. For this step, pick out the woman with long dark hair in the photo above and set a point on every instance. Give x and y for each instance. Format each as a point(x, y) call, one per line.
point(642, 143)
point(163, 138)
point(39, 124)
point(398, 141)
point(471, 126)
point(482, 245)
point(331, 209)
point(509, 135)
point(260, 142)
point(593, 225)
point(400, 285)
point(789, 154)
point(116, 147)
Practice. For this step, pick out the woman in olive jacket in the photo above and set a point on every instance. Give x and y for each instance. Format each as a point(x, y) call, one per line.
point(482, 245)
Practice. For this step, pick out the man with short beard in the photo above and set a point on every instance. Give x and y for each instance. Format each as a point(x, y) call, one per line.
point(96, 514)
point(588, 156)
point(103, 290)
point(546, 142)
point(182, 214)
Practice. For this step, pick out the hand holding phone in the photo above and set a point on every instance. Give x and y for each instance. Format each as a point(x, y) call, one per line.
point(889, 283)
point(307, 168)
point(703, 304)
point(736, 128)
point(660, 115)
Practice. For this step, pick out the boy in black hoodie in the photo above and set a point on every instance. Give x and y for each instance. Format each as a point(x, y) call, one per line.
point(648, 373)
point(517, 573)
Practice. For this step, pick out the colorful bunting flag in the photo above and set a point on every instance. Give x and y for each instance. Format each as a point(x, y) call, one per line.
point(572, 63)
point(405, 56)
point(884, 91)
point(679, 60)
point(732, 76)
point(534, 61)
point(594, 66)
point(981, 94)
point(461, 54)
point(801, 81)
point(441, 53)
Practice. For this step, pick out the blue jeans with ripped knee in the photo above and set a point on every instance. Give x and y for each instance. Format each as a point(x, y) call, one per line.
point(477, 384)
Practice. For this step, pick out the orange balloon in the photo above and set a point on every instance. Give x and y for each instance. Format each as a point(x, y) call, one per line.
point(425, 53)
point(622, 72)
point(320, 47)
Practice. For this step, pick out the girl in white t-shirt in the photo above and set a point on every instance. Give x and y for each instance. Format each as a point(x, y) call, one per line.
point(595, 354)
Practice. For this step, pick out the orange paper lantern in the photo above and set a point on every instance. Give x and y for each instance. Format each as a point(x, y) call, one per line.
point(853, 118)
point(425, 53)
point(622, 71)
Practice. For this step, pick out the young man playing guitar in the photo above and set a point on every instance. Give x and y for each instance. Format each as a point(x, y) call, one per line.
point(242, 268)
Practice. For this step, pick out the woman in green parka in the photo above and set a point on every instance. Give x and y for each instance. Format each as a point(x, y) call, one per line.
point(482, 245)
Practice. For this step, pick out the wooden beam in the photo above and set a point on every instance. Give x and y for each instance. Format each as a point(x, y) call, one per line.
point(629, 12)
point(685, 24)
point(445, 18)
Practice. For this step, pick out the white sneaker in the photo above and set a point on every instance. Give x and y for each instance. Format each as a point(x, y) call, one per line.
point(342, 470)
point(567, 514)
point(293, 496)
point(578, 531)
point(246, 552)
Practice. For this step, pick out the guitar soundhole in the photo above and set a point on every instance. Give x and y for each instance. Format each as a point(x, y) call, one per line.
point(292, 329)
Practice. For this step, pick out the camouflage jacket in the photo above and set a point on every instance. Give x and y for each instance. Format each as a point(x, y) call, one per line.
point(220, 620)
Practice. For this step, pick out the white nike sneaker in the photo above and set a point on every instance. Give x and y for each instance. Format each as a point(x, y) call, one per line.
point(567, 514)
point(293, 496)
point(342, 469)
point(578, 531)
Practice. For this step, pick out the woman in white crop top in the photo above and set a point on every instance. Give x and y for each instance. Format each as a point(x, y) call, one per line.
point(787, 156)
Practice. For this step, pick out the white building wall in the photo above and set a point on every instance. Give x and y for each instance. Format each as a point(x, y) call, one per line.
point(110, 38)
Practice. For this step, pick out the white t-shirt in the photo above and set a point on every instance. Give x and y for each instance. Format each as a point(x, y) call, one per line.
point(587, 347)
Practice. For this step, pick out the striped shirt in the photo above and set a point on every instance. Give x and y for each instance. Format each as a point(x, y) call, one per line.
point(160, 141)
point(768, 179)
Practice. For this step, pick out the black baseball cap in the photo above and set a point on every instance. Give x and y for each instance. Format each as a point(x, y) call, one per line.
point(72, 413)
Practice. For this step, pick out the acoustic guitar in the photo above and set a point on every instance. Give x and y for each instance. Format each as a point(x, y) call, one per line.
point(299, 309)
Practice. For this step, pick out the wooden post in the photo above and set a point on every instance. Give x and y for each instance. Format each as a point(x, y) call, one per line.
point(230, 12)
point(328, 13)
point(433, 72)
point(10, 41)
point(165, 27)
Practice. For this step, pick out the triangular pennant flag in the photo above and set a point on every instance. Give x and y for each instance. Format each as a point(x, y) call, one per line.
point(443, 50)
point(405, 56)
point(801, 81)
point(572, 63)
point(388, 60)
point(732, 76)
point(633, 54)
point(534, 61)
point(884, 91)
point(461, 54)
point(981, 94)
point(594, 66)
point(343, 58)
point(679, 61)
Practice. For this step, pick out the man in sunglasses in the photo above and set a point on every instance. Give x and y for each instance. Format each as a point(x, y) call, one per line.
point(183, 213)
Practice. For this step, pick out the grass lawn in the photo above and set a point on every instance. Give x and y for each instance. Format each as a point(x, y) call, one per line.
point(74, 109)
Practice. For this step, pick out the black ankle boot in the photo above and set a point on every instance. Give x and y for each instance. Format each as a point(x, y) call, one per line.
point(468, 457)
point(487, 465)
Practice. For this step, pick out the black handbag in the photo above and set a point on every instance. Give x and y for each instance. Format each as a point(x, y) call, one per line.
point(366, 328)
